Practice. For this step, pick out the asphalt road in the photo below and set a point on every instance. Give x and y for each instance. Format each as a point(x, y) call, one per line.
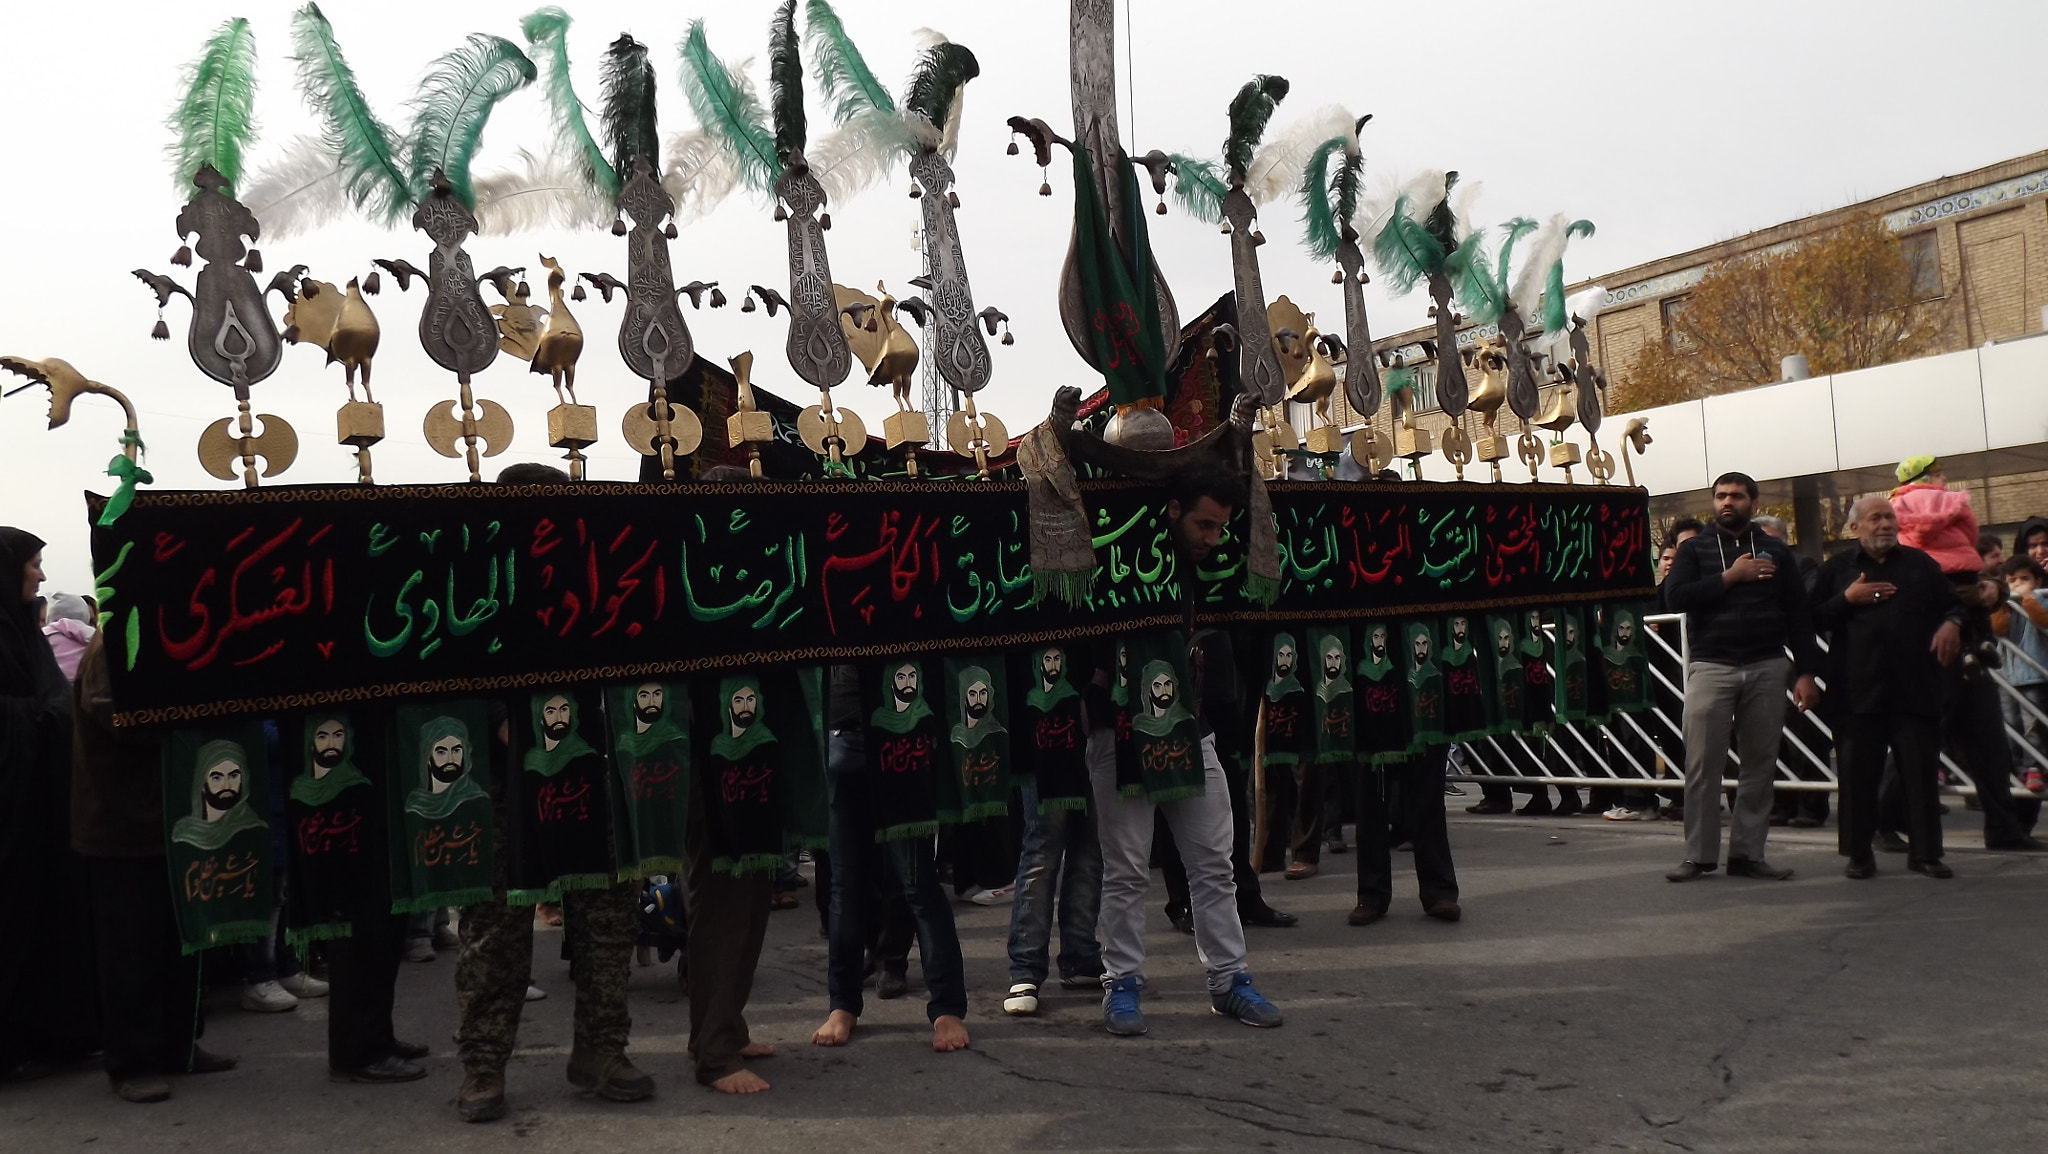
point(1583, 1004)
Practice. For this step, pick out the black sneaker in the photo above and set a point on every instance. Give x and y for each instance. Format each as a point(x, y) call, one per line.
point(1739, 867)
point(1688, 870)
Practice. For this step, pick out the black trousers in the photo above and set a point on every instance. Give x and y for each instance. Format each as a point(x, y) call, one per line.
point(1973, 732)
point(728, 922)
point(363, 971)
point(148, 987)
point(1861, 745)
point(1397, 802)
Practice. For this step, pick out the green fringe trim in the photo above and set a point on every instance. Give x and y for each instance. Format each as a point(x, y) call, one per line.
point(1334, 757)
point(649, 866)
point(907, 830)
point(1264, 590)
point(1072, 586)
point(1130, 792)
point(230, 934)
point(793, 841)
point(475, 895)
point(986, 809)
point(325, 931)
point(1273, 760)
point(1056, 804)
point(550, 894)
point(1177, 793)
point(753, 863)
point(1384, 759)
point(570, 883)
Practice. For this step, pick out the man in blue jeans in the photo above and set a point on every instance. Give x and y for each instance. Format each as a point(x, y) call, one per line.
point(1063, 859)
point(853, 861)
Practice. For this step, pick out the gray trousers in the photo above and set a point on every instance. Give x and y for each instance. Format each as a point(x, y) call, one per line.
point(1201, 828)
point(1747, 701)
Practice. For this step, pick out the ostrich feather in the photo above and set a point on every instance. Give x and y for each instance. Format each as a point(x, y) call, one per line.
point(454, 104)
point(365, 151)
point(1250, 110)
point(1557, 313)
point(786, 83)
point(729, 109)
point(1404, 249)
point(1545, 248)
point(933, 94)
point(216, 119)
point(1482, 292)
point(699, 174)
point(299, 191)
point(1276, 168)
point(1198, 187)
point(841, 71)
point(547, 33)
point(1319, 216)
point(860, 153)
point(629, 107)
point(544, 192)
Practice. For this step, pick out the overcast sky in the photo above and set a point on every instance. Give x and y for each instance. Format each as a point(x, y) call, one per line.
point(1669, 125)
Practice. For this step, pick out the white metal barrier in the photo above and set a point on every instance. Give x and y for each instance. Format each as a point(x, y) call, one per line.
point(1644, 750)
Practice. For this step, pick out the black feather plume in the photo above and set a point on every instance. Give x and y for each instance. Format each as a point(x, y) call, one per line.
point(629, 120)
point(786, 82)
point(1249, 111)
point(944, 67)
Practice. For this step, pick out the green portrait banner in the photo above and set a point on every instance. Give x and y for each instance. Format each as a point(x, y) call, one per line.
point(1285, 712)
point(650, 742)
point(1380, 687)
point(742, 777)
point(441, 813)
point(1574, 689)
point(906, 749)
point(1054, 744)
point(218, 835)
point(558, 796)
point(1334, 706)
point(334, 814)
point(1165, 735)
point(1468, 693)
point(1625, 661)
point(978, 708)
point(1499, 647)
point(1426, 697)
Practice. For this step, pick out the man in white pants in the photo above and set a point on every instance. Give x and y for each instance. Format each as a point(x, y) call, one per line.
point(1202, 503)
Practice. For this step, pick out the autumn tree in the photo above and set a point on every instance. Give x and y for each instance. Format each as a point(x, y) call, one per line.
point(1843, 297)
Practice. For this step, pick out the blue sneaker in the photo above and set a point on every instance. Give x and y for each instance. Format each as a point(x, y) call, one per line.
point(1244, 1002)
point(1120, 1014)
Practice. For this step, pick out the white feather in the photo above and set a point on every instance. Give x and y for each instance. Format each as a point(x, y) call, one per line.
point(1462, 200)
point(1544, 247)
point(1376, 205)
point(299, 191)
point(1275, 170)
point(923, 40)
point(543, 192)
point(1586, 303)
point(1424, 191)
point(860, 153)
point(949, 136)
point(699, 172)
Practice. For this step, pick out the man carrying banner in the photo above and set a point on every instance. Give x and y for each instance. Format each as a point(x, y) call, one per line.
point(1199, 813)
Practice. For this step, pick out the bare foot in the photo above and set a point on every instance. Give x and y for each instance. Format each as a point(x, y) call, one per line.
point(740, 1082)
point(837, 1029)
point(948, 1034)
point(757, 1050)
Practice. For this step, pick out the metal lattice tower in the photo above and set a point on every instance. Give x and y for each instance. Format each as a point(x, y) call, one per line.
point(941, 401)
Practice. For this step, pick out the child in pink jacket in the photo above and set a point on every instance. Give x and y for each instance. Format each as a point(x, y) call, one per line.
point(1935, 519)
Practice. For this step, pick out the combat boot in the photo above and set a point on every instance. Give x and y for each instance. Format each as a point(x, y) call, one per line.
point(482, 1098)
point(612, 1076)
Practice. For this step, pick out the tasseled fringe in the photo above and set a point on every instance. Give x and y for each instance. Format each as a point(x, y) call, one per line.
point(753, 863)
point(907, 830)
point(1056, 804)
point(1275, 760)
point(475, 895)
point(326, 931)
point(230, 934)
point(793, 841)
point(1263, 590)
point(549, 894)
point(986, 809)
point(671, 867)
point(572, 883)
point(1177, 793)
point(1070, 586)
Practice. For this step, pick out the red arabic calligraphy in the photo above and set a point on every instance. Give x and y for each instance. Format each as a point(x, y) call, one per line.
point(329, 831)
point(217, 624)
point(911, 555)
point(215, 879)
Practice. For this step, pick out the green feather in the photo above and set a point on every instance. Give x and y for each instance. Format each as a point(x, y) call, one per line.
point(1442, 222)
point(1554, 317)
point(629, 120)
point(547, 33)
point(1348, 181)
point(1319, 217)
point(1198, 187)
point(1471, 284)
point(365, 150)
point(842, 72)
point(1250, 109)
point(730, 112)
point(216, 119)
point(1398, 380)
point(1404, 249)
point(1517, 228)
point(454, 104)
point(786, 82)
point(941, 72)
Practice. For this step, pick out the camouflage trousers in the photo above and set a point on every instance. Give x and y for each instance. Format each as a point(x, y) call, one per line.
point(496, 963)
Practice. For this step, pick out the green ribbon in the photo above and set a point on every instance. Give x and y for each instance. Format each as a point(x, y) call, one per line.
point(129, 474)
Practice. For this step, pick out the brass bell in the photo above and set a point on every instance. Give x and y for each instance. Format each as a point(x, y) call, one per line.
point(1362, 278)
point(183, 257)
point(825, 221)
point(577, 293)
point(717, 298)
point(952, 198)
point(1008, 339)
point(1012, 150)
point(1258, 236)
point(669, 230)
point(1160, 208)
point(915, 192)
point(161, 332)
point(780, 214)
point(254, 261)
point(523, 290)
point(1045, 190)
point(373, 285)
point(1225, 230)
point(1337, 277)
point(618, 227)
point(747, 305)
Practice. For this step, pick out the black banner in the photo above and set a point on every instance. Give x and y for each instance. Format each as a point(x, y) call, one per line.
point(278, 599)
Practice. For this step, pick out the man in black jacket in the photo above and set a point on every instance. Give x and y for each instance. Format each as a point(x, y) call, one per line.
point(1893, 623)
point(1744, 603)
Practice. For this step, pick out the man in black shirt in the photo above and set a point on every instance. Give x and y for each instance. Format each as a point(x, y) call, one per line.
point(1893, 623)
point(1744, 603)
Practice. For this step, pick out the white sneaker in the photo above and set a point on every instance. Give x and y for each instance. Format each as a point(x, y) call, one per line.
point(534, 993)
point(1023, 999)
point(994, 897)
point(420, 950)
point(304, 985)
point(267, 998)
point(1622, 813)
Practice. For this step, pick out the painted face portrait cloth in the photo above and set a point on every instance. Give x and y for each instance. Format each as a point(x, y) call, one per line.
point(1500, 648)
point(742, 764)
point(1165, 736)
point(650, 744)
point(1468, 697)
point(978, 705)
point(334, 818)
point(1333, 702)
point(1054, 741)
point(558, 797)
point(217, 834)
point(1539, 671)
point(1625, 660)
point(1380, 694)
point(1571, 643)
point(907, 747)
point(1420, 657)
point(441, 820)
point(1285, 713)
